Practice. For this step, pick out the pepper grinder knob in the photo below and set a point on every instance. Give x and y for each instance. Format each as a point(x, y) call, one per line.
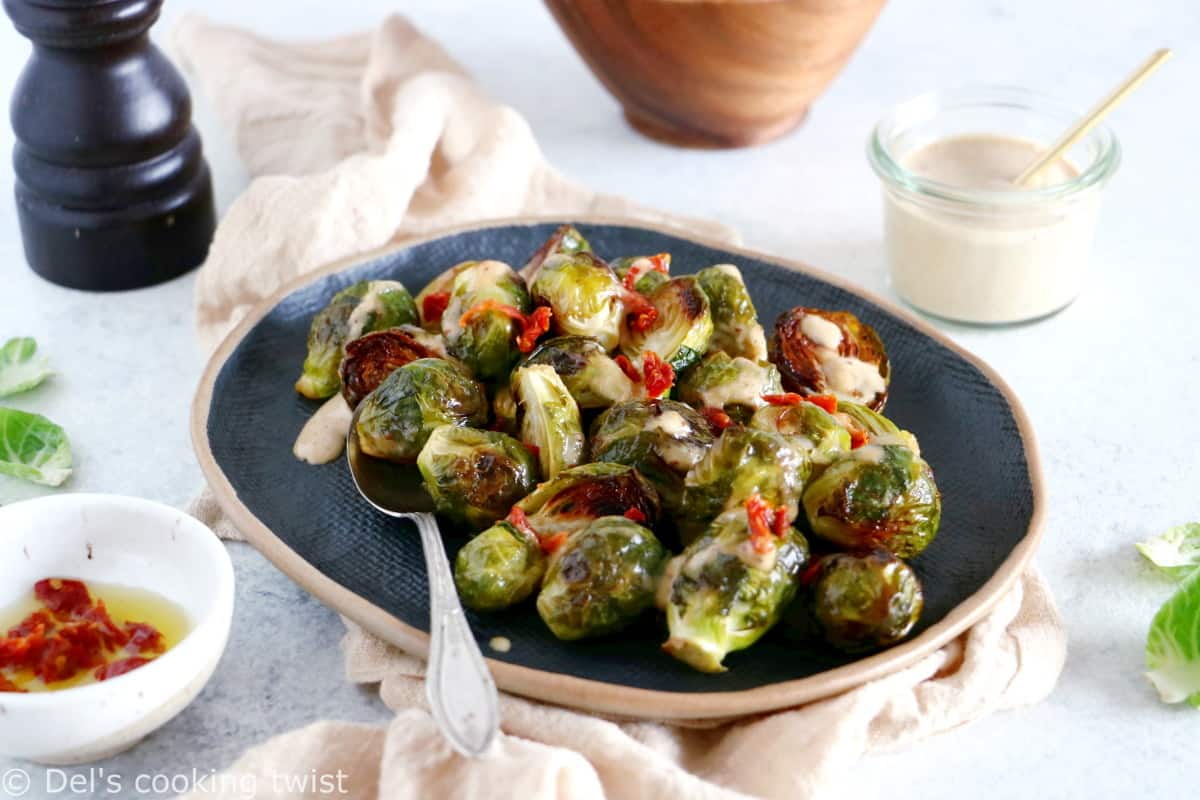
point(112, 188)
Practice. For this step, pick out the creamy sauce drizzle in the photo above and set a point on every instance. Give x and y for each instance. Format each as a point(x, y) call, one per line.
point(823, 332)
point(324, 435)
point(370, 305)
point(746, 390)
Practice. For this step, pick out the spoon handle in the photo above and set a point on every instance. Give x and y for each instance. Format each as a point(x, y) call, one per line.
point(461, 692)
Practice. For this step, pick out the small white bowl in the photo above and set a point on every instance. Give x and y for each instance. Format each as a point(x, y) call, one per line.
point(126, 541)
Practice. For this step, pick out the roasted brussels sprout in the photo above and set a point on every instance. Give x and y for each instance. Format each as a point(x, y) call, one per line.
point(601, 579)
point(733, 385)
point(590, 374)
point(364, 307)
point(830, 352)
point(663, 439)
point(565, 240)
point(808, 427)
point(728, 588)
point(371, 358)
point(877, 495)
point(569, 502)
point(396, 419)
point(643, 274)
point(736, 330)
point(863, 602)
point(504, 410)
point(485, 318)
point(474, 476)
point(498, 568)
point(584, 295)
point(432, 300)
point(741, 463)
point(680, 330)
point(870, 425)
point(549, 418)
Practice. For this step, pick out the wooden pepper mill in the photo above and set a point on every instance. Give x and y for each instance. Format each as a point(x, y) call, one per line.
point(112, 188)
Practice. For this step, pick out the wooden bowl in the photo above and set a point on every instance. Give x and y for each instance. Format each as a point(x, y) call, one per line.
point(715, 73)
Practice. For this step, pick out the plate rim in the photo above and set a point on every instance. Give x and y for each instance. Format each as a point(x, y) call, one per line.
point(584, 693)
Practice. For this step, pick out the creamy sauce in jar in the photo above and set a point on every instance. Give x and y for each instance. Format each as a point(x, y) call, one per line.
point(1004, 259)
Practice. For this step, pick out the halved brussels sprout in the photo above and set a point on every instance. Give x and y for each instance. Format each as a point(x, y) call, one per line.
point(873, 426)
point(584, 294)
point(863, 602)
point(587, 370)
point(474, 476)
point(549, 418)
point(808, 427)
point(396, 419)
point(879, 495)
point(736, 330)
point(565, 240)
point(498, 568)
point(643, 274)
point(431, 301)
point(571, 501)
point(663, 439)
point(741, 463)
point(484, 318)
point(681, 329)
point(733, 385)
point(725, 593)
point(361, 308)
point(371, 358)
point(601, 579)
point(830, 352)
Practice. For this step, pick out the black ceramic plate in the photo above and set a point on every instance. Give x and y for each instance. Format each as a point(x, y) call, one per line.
point(312, 523)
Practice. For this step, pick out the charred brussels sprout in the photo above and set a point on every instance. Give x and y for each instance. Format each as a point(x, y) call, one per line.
point(663, 439)
point(680, 330)
point(830, 352)
point(736, 329)
point(498, 568)
point(643, 274)
point(873, 426)
point(601, 579)
point(549, 418)
point(808, 427)
point(474, 476)
point(371, 358)
point(877, 495)
point(565, 240)
point(725, 593)
point(396, 419)
point(482, 319)
point(742, 462)
point(364, 307)
point(863, 602)
point(571, 501)
point(591, 376)
point(584, 295)
point(733, 385)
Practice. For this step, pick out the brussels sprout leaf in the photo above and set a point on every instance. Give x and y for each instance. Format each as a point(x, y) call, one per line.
point(33, 448)
point(1175, 551)
point(20, 367)
point(1173, 646)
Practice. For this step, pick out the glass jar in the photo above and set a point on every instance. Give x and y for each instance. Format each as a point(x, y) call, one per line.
point(998, 254)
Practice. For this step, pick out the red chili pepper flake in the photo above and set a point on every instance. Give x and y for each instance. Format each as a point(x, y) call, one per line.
point(628, 368)
point(635, 514)
point(434, 305)
point(62, 597)
point(858, 437)
point(550, 544)
point(766, 523)
point(811, 573)
point(516, 517)
point(144, 638)
point(642, 313)
point(658, 374)
point(121, 667)
point(532, 448)
point(530, 326)
point(826, 401)
point(717, 418)
point(787, 399)
point(656, 263)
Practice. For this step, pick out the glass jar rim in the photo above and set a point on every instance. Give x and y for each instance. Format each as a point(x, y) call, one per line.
point(928, 105)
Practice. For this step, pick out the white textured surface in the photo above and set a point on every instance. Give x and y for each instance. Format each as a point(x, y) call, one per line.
point(1111, 383)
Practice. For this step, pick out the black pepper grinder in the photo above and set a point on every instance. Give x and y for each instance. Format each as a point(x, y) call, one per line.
point(112, 188)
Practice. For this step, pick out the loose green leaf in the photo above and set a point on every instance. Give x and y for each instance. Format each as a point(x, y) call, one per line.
point(1175, 551)
point(1173, 646)
point(33, 448)
point(21, 368)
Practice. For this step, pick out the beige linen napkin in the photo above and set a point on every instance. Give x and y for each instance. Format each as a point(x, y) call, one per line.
point(362, 141)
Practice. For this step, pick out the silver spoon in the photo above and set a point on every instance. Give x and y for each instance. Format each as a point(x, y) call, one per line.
point(461, 692)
